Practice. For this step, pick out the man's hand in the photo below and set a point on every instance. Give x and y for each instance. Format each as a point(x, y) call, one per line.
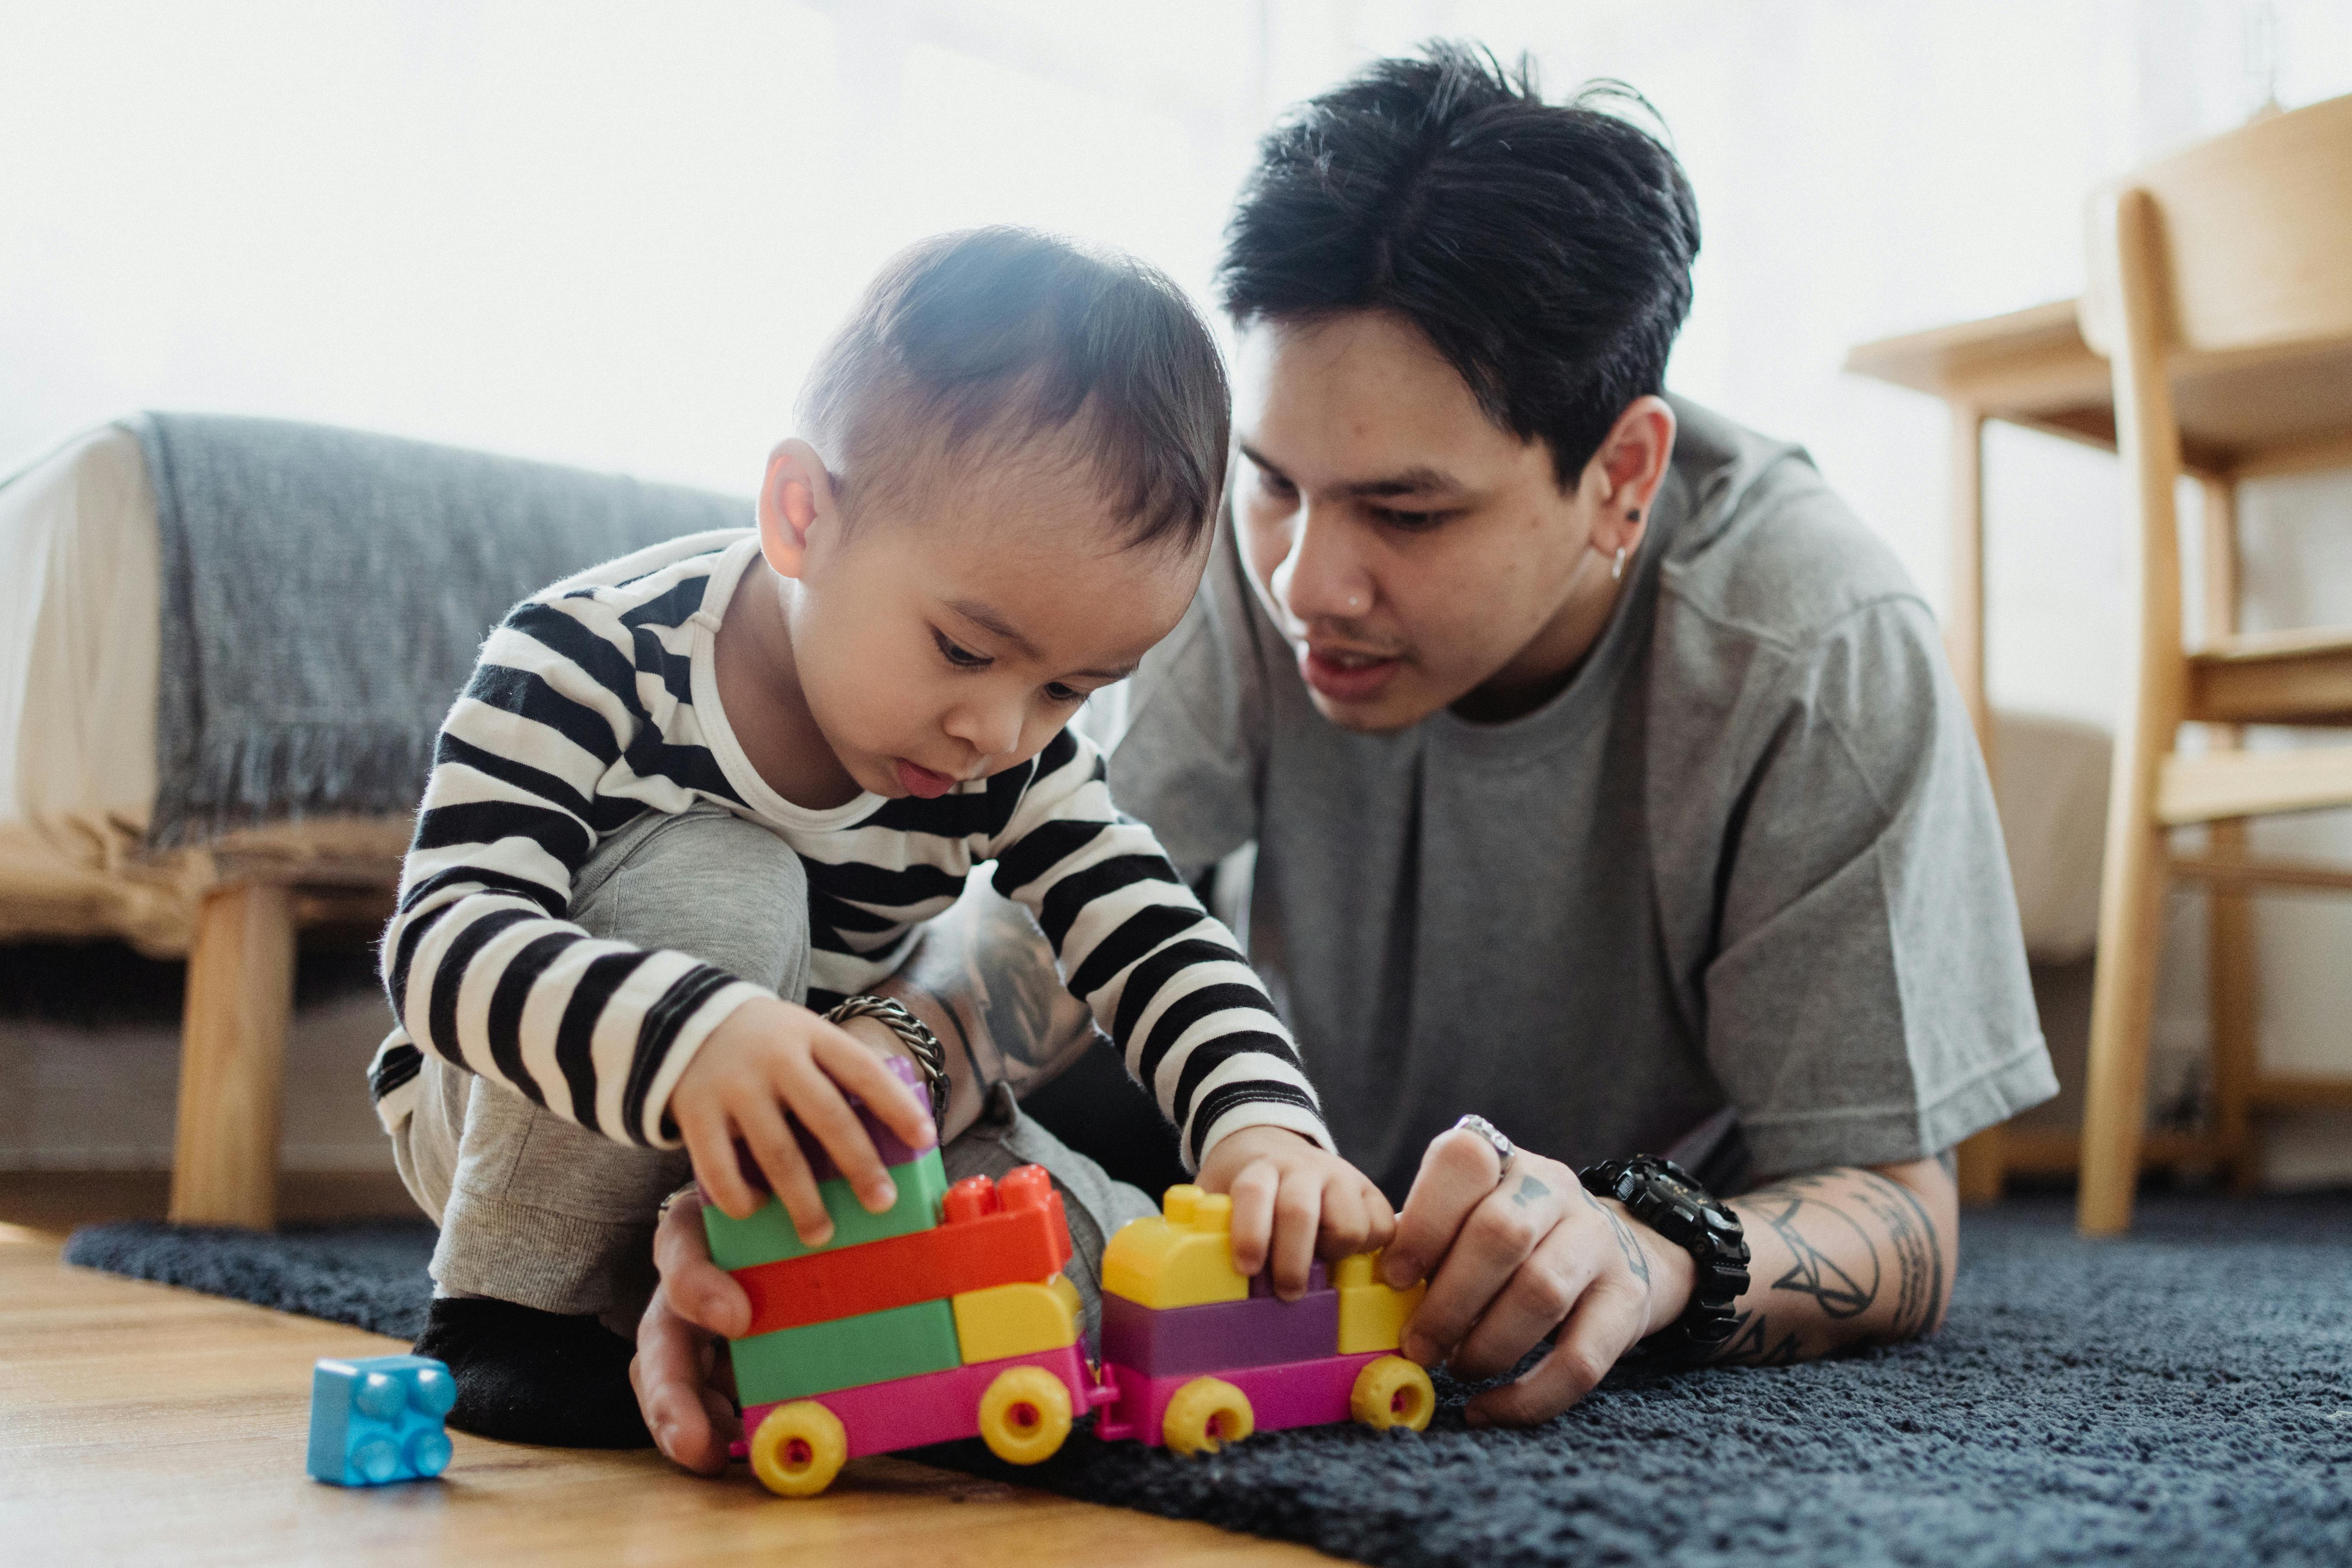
point(680, 1389)
point(1846, 1256)
point(1519, 1253)
point(766, 1057)
point(1292, 1200)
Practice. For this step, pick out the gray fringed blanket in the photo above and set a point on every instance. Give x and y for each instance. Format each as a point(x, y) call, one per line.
point(325, 591)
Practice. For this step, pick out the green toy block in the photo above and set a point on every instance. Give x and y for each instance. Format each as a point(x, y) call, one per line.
point(768, 1235)
point(873, 1347)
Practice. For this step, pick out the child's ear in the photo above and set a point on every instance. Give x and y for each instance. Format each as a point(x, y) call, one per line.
point(796, 499)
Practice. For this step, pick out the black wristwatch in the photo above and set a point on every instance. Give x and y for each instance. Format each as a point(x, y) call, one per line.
point(1662, 1195)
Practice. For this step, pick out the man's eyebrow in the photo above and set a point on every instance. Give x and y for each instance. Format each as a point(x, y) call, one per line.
point(989, 620)
point(1407, 482)
point(1404, 482)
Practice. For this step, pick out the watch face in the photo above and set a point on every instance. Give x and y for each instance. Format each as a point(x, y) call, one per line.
point(1680, 1191)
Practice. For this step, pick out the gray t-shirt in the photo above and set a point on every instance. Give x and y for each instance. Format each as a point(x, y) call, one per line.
point(1747, 857)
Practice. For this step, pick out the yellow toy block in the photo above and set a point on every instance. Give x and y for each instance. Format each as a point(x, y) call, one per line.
point(1373, 1315)
point(1182, 1258)
point(1015, 1320)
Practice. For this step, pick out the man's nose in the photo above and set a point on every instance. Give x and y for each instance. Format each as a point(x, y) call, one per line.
point(1324, 577)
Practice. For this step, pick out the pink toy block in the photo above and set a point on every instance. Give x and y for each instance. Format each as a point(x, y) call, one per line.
point(1296, 1393)
point(1264, 1331)
point(941, 1406)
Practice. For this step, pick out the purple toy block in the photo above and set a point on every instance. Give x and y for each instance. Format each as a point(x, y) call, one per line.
point(887, 1143)
point(937, 1406)
point(1296, 1393)
point(1260, 1331)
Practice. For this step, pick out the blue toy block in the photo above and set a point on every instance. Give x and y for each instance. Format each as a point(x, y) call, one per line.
point(378, 1419)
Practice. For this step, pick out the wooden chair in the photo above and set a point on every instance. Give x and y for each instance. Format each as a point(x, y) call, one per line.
point(2221, 287)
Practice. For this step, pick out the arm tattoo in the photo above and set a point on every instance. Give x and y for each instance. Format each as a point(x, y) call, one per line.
point(1635, 1259)
point(1009, 972)
point(963, 1037)
point(989, 969)
point(1814, 1272)
point(1751, 1342)
point(1861, 1247)
point(1918, 1255)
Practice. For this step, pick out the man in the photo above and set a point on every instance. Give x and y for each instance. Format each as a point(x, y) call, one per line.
point(1603, 772)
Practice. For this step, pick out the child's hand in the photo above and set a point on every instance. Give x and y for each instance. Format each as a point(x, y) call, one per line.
point(1293, 1201)
point(768, 1057)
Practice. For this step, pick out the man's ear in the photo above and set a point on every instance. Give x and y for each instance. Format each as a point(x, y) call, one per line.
point(796, 500)
point(1626, 473)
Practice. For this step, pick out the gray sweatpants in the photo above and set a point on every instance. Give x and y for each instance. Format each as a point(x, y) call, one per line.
point(537, 1210)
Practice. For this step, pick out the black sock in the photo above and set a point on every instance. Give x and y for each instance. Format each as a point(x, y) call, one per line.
point(528, 1376)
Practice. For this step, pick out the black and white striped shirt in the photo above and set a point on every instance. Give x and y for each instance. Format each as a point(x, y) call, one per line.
point(595, 702)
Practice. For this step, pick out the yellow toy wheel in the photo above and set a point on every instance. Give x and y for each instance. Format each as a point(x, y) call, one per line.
point(1025, 1415)
point(798, 1448)
point(1206, 1413)
point(1392, 1391)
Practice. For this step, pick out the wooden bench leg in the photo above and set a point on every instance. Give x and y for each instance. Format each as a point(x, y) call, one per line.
point(233, 1056)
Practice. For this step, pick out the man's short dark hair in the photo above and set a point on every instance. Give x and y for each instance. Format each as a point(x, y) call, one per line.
point(1545, 250)
point(973, 345)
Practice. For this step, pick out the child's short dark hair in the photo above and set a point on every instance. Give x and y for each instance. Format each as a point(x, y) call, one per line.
point(1545, 250)
point(982, 340)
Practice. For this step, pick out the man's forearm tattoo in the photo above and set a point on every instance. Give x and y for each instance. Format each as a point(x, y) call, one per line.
point(1751, 1342)
point(1918, 1255)
point(1009, 974)
point(954, 1016)
point(1815, 1273)
point(1861, 1247)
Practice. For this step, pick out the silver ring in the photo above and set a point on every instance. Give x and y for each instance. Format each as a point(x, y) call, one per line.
point(1503, 1147)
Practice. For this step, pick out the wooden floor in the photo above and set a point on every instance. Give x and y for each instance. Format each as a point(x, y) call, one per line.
point(144, 1424)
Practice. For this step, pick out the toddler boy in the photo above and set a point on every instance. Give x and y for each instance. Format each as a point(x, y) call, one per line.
point(692, 800)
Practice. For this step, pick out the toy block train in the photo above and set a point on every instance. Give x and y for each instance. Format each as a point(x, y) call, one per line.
point(948, 1316)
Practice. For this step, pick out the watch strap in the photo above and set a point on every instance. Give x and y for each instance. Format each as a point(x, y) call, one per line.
point(1662, 1195)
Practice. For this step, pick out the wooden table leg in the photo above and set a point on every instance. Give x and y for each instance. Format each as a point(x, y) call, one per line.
point(233, 1056)
point(1980, 1158)
point(1964, 623)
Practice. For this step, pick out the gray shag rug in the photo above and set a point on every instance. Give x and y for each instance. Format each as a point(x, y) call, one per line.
point(2182, 1395)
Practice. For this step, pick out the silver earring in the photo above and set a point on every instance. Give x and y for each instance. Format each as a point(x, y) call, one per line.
point(1617, 567)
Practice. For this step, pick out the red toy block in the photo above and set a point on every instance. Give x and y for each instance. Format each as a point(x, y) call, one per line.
point(989, 1233)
